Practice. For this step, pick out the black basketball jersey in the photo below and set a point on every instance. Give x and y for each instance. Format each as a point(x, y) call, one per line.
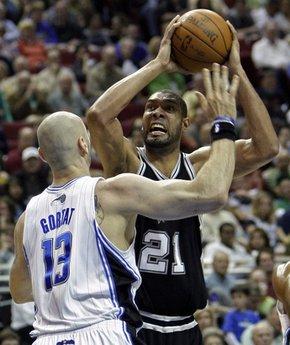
point(168, 255)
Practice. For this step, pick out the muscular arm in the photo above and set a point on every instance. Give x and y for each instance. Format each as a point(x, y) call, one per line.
point(20, 282)
point(281, 284)
point(173, 199)
point(116, 153)
point(263, 146)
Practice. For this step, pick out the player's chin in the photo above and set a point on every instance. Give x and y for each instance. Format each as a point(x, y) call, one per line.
point(157, 141)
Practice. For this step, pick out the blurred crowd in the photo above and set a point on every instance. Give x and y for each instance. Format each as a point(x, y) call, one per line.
point(62, 55)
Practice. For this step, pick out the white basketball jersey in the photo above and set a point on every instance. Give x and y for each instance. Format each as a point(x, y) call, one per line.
point(79, 277)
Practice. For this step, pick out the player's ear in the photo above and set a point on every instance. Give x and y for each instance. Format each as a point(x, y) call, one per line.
point(41, 155)
point(185, 122)
point(83, 146)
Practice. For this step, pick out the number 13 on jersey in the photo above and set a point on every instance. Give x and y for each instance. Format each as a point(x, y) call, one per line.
point(153, 256)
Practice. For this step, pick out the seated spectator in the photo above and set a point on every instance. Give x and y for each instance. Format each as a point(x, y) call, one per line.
point(34, 174)
point(263, 334)
point(47, 79)
point(104, 74)
point(228, 244)
point(6, 245)
point(44, 30)
point(279, 171)
point(283, 231)
point(31, 46)
point(11, 31)
point(66, 97)
point(8, 337)
point(213, 336)
point(211, 223)
point(16, 194)
point(205, 318)
point(259, 301)
point(5, 113)
point(282, 202)
point(13, 161)
point(265, 261)
point(258, 240)
point(271, 51)
point(238, 319)
point(218, 6)
point(241, 18)
point(95, 33)
point(219, 282)
point(284, 138)
point(125, 53)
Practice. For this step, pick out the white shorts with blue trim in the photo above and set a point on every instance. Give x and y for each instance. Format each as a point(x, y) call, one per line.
point(109, 332)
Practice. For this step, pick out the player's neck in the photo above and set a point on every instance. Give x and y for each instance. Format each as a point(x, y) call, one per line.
point(164, 159)
point(61, 177)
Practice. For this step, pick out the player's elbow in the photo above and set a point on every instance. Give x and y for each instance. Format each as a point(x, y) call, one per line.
point(219, 200)
point(93, 116)
point(273, 150)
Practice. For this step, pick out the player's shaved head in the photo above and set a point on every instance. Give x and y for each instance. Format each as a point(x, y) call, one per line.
point(58, 136)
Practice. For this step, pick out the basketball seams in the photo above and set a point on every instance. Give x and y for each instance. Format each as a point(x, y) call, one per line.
point(192, 59)
point(218, 30)
point(193, 34)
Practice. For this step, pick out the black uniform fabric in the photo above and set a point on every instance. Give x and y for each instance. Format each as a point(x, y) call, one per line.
point(168, 257)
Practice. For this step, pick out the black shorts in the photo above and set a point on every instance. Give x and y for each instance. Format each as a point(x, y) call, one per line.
point(190, 336)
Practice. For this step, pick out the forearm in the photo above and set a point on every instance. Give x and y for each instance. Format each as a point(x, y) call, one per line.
point(264, 138)
point(110, 104)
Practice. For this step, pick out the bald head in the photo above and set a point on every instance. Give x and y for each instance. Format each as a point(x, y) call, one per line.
point(63, 140)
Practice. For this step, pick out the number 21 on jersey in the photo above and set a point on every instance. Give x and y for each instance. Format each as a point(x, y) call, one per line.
point(60, 274)
point(152, 257)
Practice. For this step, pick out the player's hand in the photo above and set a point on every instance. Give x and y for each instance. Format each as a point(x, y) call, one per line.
point(164, 54)
point(221, 95)
point(234, 61)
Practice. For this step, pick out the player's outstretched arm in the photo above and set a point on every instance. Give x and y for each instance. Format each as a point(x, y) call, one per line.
point(20, 282)
point(115, 151)
point(174, 199)
point(263, 145)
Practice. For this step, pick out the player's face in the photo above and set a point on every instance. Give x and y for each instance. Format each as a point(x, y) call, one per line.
point(162, 121)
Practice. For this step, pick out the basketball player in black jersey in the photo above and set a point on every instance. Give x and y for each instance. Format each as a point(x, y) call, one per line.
point(168, 253)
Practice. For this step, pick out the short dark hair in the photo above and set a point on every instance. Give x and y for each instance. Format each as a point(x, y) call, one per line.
point(179, 100)
point(242, 288)
point(8, 334)
point(223, 225)
point(265, 250)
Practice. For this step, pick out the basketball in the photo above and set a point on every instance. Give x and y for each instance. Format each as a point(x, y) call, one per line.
point(203, 37)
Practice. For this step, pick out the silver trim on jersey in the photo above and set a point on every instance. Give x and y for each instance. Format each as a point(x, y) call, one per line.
point(170, 329)
point(164, 317)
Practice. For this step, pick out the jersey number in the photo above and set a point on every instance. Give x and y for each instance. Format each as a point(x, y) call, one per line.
point(153, 256)
point(61, 275)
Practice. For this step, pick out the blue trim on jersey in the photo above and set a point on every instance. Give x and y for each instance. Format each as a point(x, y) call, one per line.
point(116, 254)
point(127, 334)
point(107, 271)
point(64, 186)
point(287, 337)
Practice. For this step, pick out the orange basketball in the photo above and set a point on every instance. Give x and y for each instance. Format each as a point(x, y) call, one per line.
point(203, 37)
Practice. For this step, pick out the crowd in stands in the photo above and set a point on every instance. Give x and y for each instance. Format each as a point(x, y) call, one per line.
point(63, 54)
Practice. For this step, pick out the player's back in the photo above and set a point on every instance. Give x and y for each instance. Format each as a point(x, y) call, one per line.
point(77, 274)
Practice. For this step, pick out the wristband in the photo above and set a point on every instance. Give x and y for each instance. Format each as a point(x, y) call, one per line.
point(224, 118)
point(223, 128)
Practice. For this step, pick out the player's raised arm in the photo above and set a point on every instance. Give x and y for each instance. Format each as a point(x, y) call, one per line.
point(20, 283)
point(263, 145)
point(115, 151)
point(174, 199)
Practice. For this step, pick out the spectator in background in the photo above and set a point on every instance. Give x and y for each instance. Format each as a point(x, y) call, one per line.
point(5, 113)
point(104, 74)
point(213, 336)
point(66, 97)
point(16, 194)
point(282, 202)
point(8, 337)
point(258, 240)
point(11, 31)
point(44, 29)
point(265, 261)
point(125, 54)
point(219, 281)
point(31, 46)
point(271, 51)
point(283, 232)
point(263, 334)
point(284, 139)
point(95, 33)
point(205, 319)
point(34, 174)
point(13, 161)
point(228, 244)
point(238, 319)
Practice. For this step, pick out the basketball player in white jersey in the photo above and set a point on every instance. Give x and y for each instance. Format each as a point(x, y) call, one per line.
point(281, 284)
point(74, 243)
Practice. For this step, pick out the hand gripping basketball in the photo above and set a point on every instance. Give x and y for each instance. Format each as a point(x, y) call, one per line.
point(220, 96)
